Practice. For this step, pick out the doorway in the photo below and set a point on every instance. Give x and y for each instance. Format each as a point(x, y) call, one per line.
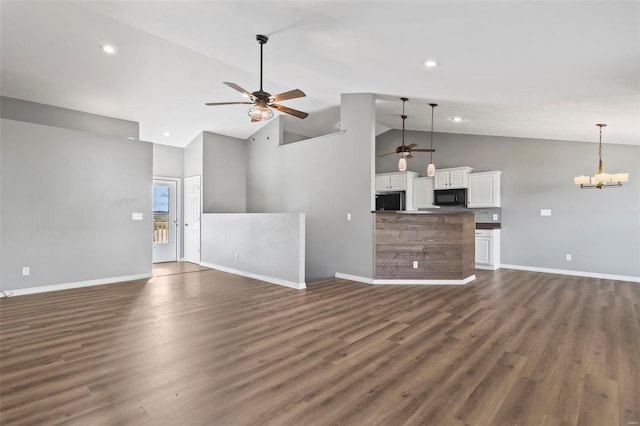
point(165, 220)
point(192, 209)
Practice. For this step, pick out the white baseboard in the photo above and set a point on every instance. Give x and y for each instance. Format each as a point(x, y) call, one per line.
point(404, 282)
point(574, 273)
point(77, 284)
point(488, 267)
point(272, 280)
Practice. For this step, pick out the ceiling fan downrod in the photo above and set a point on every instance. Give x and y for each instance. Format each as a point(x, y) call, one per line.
point(262, 39)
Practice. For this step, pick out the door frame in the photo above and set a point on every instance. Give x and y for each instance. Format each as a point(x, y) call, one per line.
point(179, 201)
point(199, 257)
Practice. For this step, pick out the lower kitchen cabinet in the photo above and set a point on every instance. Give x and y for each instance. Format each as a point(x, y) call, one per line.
point(488, 249)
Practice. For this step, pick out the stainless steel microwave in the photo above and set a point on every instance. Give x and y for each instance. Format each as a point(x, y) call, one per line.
point(450, 197)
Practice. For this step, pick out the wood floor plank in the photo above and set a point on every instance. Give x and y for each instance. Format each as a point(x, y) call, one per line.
point(201, 347)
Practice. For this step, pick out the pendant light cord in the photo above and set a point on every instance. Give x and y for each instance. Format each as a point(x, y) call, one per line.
point(431, 153)
point(600, 150)
point(404, 117)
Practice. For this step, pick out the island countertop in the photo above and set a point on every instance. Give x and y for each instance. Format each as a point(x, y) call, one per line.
point(429, 212)
point(424, 245)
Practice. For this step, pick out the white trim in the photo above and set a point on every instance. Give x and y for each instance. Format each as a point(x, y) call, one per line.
point(77, 284)
point(574, 273)
point(272, 280)
point(404, 282)
point(354, 278)
point(488, 267)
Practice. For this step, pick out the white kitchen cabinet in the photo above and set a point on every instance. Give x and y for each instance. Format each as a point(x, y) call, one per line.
point(397, 181)
point(488, 249)
point(423, 193)
point(484, 189)
point(452, 178)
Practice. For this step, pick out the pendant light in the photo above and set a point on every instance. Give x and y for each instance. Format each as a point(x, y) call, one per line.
point(601, 180)
point(431, 168)
point(402, 163)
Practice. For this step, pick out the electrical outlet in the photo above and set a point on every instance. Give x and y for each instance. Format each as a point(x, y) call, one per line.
point(236, 256)
point(568, 258)
point(495, 217)
point(26, 270)
point(348, 216)
point(415, 264)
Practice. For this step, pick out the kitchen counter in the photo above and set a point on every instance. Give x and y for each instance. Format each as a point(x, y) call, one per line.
point(441, 242)
point(429, 212)
point(488, 226)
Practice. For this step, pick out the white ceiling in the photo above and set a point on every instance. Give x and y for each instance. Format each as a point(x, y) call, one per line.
point(538, 69)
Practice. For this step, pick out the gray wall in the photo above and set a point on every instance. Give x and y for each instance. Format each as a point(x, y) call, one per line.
point(599, 228)
point(268, 244)
point(168, 161)
point(224, 174)
point(193, 160)
point(32, 112)
point(325, 178)
point(67, 198)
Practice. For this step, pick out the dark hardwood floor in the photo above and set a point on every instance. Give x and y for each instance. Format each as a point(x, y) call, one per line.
point(201, 347)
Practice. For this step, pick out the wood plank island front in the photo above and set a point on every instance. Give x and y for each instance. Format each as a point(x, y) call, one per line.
point(441, 242)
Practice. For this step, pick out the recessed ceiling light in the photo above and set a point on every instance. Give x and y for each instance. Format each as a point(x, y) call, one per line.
point(456, 119)
point(131, 138)
point(166, 134)
point(109, 49)
point(430, 63)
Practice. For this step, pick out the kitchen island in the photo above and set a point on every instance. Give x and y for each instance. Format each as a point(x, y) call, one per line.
point(441, 242)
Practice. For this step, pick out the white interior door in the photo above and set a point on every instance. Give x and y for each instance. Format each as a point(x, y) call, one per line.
point(192, 219)
point(165, 221)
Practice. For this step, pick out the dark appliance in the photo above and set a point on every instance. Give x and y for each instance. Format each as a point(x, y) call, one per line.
point(390, 201)
point(450, 197)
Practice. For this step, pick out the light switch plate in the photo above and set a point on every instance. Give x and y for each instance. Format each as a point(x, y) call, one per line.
point(137, 216)
point(545, 212)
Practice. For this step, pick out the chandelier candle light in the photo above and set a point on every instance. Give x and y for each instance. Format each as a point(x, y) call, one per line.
point(601, 180)
point(431, 168)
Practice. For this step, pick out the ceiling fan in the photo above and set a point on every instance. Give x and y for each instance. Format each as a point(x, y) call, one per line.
point(406, 150)
point(262, 101)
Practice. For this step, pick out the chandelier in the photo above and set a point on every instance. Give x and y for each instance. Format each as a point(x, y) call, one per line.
point(601, 180)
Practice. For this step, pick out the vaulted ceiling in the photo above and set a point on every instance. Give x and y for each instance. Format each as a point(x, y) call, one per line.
point(537, 69)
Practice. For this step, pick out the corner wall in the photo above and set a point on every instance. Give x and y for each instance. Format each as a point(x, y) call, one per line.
point(67, 199)
point(325, 178)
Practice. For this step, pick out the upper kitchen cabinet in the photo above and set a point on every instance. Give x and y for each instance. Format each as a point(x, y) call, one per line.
point(397, 181)
point(452, 178)
point(423, 193)
point(484, 189)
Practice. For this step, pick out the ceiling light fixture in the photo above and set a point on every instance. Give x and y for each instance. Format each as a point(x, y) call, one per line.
point(431, 168)
point(166, 134)
point(109, 49)
point(402, 163)
point(456, 119)
point(430, 64)
point(131, 138)
point(601, 180)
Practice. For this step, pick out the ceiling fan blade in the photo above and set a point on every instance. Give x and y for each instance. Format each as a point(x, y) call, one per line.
point(423, 150)
point(388, 153)
point(408, 156)
point(227, 103)
point(291, 94)
point(413, 145)
point(290, 111)
point(239, 89)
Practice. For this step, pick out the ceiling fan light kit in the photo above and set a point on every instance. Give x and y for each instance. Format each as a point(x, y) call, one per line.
point(262, 101)
point(601, 179)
